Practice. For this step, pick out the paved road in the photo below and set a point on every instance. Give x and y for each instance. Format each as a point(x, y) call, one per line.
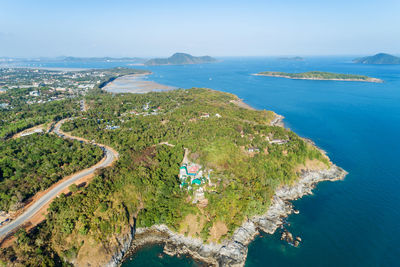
point(34, 208)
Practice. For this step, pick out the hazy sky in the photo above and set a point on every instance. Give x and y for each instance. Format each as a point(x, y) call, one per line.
point(217, 28)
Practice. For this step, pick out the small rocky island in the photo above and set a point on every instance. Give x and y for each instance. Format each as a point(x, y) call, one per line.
point(180, 59)
point(378, 59)
point(319, 75)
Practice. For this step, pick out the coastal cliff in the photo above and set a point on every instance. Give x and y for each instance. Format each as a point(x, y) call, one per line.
point(196, 171)
point(232, 252)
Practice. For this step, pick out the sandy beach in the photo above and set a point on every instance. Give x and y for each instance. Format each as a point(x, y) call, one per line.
point(136, 84)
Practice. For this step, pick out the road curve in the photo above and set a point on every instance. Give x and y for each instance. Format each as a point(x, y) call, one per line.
point(109, 156)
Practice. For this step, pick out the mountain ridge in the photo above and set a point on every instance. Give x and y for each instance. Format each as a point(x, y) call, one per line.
point(380, 58)
point(180, 59)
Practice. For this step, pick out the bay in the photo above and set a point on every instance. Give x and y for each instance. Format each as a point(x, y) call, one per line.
point(355, 222)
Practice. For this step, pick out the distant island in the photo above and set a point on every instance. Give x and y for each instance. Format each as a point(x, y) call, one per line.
point(180, 59)
point(380, 58)
point(292, 58)
point(319, 75)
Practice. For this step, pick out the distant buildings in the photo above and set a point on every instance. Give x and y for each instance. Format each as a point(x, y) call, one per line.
point(4, 105)
point(34, 93)
point(112, 127)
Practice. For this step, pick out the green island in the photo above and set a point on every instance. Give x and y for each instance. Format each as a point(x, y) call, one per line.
point(180, 59)
point(319, 75)
point(378, 59)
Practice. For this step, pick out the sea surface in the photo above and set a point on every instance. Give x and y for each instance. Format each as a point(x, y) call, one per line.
point(355, 222)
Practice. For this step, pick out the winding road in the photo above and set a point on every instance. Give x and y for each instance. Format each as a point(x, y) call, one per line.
point(109, 156)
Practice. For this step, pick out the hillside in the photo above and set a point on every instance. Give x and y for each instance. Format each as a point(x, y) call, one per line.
point(180, 59)
point(319, 75)
point(192, 160)
point(380, 58)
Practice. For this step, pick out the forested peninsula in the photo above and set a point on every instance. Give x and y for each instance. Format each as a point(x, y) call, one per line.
point(196, 171)
point(319, 75)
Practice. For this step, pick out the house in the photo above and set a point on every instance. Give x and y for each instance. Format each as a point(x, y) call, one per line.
point(109, 127)
point(205, 115)
point(278, 141)
point(4, 105)
point(34, 93)
point(191, 174)
point(183, 171)
point(193, 170)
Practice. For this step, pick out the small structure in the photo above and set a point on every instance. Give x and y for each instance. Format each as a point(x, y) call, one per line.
point(109, 127)
point(4, 105)
point(253, 150)
point(218, 116)
point(193, 169)
point(34, 93)
point(278, 141)
point(191, 174)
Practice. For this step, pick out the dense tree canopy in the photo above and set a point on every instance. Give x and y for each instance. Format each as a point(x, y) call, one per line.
point(33, 163)
point(150, 132)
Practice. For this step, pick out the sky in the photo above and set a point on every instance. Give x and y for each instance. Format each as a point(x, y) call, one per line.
point(148, 28)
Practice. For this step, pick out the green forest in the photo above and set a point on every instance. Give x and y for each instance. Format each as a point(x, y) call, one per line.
point(143, 185)
point(33, 163)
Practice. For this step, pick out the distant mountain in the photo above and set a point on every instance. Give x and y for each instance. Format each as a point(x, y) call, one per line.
point(292, 58)
point(180, 59)
point(380, 58)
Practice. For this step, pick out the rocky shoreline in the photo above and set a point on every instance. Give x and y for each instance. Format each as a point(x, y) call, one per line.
point(231, 252)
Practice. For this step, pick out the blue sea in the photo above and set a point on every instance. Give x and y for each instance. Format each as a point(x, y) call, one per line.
point(355, 222)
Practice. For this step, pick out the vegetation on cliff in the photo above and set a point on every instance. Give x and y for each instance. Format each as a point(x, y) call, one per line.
point(247, 158)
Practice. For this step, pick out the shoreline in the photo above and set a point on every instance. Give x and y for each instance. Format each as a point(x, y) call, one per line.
point(371, 80)
point(232, 252)
point(135, 84)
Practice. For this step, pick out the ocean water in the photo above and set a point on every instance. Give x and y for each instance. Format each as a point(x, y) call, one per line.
point(355, 222)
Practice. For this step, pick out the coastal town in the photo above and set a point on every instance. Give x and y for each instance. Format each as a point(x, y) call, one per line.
point(38, 86)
